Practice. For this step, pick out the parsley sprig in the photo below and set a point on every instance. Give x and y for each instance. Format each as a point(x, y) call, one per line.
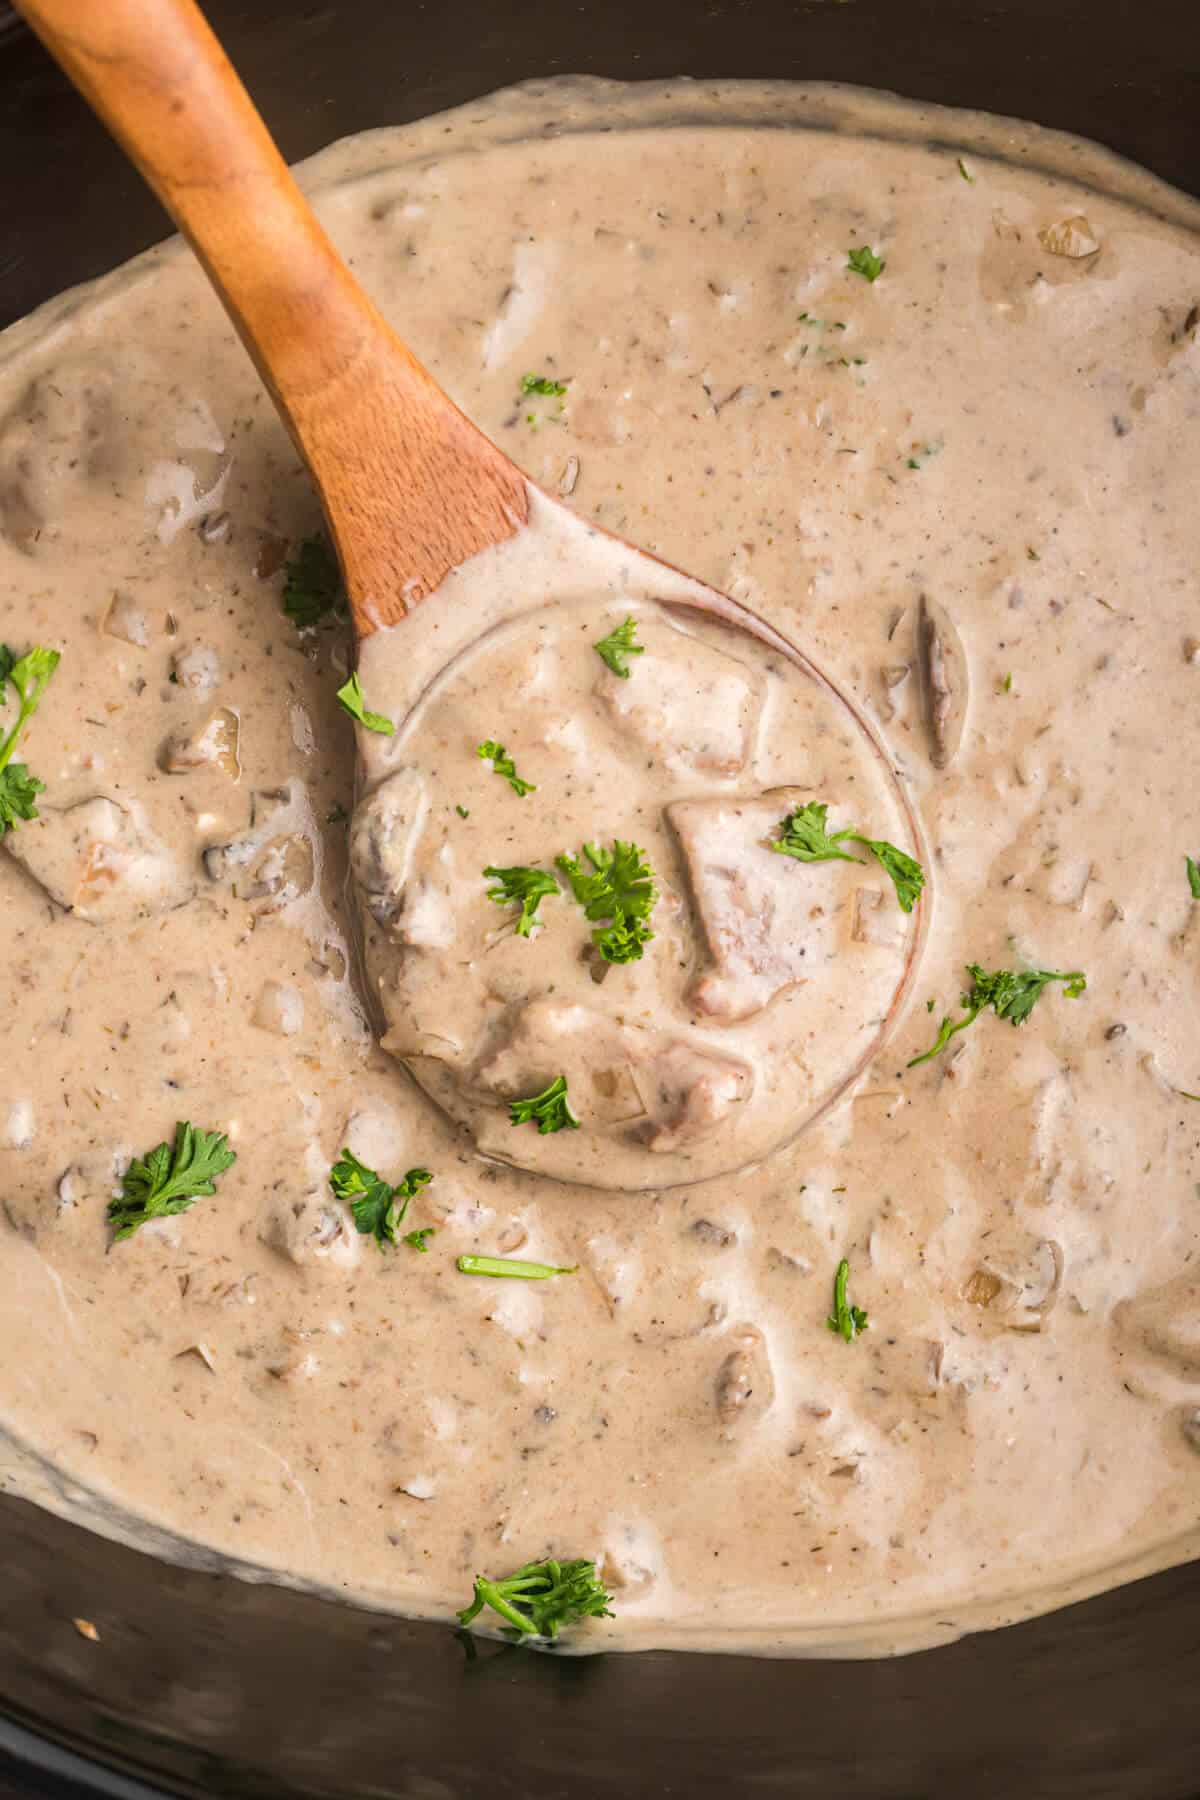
point(523, 887)
point(312, 584)
point(169, 1179)
point(550, 1110)
point(503, 764)
point(845, 1319)
point(863, 261)
point(1011, 994)
point(618, 645)
point(27, 676)
point(539, 1599)
point(619, 887)
point(354, 701)
point(805, 835)
point(378, 1207)
point(1193, 875)
point(542, 384)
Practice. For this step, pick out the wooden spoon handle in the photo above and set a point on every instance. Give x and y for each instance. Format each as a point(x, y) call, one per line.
point(410, 487)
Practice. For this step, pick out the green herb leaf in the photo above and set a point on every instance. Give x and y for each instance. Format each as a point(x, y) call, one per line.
point(464, 812)
point(1193, 875)
point(805, 835)
point(541, 1598)
point(169, 1179)
point(1011, 994)
point(522, 887)
point(907, 875)
point(964, 171)
point(503, 764)
point(27, 676)
point(618, 887)
point(619, 644)
point(312, 584)
point(542, 384)
point(352, 698)
point(377, 1206)
point(511, 1269)
point(18, 791)
point(418, 1239)
point(550, 1110)
point(863, 261)
point(845, 1319)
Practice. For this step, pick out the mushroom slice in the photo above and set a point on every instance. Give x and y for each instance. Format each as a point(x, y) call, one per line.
point(942, 663)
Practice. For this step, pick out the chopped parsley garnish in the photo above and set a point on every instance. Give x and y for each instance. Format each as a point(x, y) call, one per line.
point(169, 1179)
point(377, 1206)
point(618, 645)
point(619, 887)
point(337, 815)
point(510, 1268)
point(1007, 683)
point(1011, 994)
point(863, 261)
point(464, 812)
point(804, 835)
point(550, 1110)
point(522, 887)
point(1193, 875)
point(354, 701)
point(417, 1239)
point(27, 676)
point(541, 1598)
point(542, 384)
point(312, 584)
point(503, 764)
point(964, 171)
point(845, 1319)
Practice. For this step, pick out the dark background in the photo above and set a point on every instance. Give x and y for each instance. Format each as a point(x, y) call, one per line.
point(227, 1689)
point(1126, 72)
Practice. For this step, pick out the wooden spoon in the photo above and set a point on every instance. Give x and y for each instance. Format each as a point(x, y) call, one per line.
point(411, 489)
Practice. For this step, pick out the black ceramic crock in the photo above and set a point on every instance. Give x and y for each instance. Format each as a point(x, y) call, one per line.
point(201, 1685)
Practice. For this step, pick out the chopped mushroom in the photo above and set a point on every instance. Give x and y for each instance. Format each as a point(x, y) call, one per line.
point(942, 663)
point(1071, 237)
point(126, 620)
point(279, 1008)
point(383, 837)
point(745, 1384)
point(214, 745)
point(197, 668)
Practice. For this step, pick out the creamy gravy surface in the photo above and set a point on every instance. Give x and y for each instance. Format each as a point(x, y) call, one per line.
point(1007, 421)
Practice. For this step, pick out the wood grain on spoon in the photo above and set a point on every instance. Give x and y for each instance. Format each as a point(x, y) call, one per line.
point(410, 487)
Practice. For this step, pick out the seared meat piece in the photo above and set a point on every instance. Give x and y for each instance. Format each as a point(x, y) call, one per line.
point(97, 860)
point(678, 678)
point(762, 915)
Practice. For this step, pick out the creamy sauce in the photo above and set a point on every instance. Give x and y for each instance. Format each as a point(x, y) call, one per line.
point(254, 1383)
